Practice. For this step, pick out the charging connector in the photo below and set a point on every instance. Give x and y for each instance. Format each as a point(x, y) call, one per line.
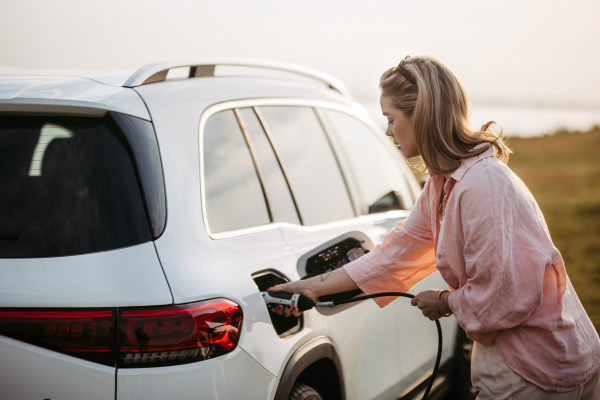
point(274, 299)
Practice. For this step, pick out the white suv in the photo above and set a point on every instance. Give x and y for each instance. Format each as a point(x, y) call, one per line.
point(141, 217)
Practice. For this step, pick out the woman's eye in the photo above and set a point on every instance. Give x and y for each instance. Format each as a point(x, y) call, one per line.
point(389, 122)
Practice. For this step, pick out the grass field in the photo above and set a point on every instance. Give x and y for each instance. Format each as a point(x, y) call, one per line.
point(563, 173)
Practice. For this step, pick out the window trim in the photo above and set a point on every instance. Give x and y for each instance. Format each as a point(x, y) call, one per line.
point(279, 158)
point(261, 178)
point(354, 110)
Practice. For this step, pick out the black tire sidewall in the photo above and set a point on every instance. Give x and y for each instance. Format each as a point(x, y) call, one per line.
point(300, 391)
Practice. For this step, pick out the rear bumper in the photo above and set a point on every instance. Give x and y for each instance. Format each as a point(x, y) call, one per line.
point(31, 372)
point(233, 376)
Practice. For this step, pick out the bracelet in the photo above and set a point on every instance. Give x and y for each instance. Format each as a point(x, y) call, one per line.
point(445, 302)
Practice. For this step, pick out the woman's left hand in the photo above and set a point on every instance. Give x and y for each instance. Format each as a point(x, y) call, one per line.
point(431, 304)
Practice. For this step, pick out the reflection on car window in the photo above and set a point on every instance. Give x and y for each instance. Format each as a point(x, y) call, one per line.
point(234, 197)
point(378, 176)
point(48, 133)
point(312, 169)
point(280, 198)
point(68, 187)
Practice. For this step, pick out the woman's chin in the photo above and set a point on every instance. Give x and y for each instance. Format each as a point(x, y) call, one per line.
point(407, 154)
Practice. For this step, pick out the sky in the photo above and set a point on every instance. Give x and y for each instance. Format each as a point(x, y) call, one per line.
point(518, 53)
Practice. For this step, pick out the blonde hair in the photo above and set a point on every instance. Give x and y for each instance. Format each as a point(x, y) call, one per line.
point(440, 110)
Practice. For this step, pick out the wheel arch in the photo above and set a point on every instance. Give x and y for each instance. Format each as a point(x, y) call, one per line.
point(316, 360)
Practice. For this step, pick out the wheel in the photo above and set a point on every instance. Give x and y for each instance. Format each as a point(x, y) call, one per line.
point(300, 391)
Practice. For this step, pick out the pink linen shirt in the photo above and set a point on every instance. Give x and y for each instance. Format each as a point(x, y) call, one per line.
point(493, 248)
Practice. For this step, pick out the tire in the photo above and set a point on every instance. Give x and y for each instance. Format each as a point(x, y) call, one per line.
point(300, 391)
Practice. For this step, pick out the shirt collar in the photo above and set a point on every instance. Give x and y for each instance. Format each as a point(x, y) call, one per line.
point(467, 163)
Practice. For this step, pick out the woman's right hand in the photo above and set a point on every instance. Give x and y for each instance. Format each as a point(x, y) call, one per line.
point(328, 283)
point(291, 287)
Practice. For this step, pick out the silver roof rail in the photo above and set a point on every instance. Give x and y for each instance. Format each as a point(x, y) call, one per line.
point(157, 71)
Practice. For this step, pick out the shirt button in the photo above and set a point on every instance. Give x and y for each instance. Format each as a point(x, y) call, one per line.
point(439, 255)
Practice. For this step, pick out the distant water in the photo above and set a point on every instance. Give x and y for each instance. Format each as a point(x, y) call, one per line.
point(520, 121)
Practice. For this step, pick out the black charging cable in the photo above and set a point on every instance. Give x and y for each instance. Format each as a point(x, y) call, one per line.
point(303, 303)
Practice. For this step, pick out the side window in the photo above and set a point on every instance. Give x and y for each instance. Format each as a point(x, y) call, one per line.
point(234, 196)
point(278, 193)
point(380, 180)
point(312, 169)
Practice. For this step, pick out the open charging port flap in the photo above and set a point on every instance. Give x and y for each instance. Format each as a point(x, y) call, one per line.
point(330, 256)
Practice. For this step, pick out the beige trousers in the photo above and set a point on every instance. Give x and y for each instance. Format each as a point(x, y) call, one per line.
point(496, 381)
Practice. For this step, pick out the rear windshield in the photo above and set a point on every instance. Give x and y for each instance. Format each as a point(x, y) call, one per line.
point(68, 186)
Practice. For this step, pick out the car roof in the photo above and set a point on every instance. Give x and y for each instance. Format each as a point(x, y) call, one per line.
point(67, 95)
point(86, 92)
point(107, 77)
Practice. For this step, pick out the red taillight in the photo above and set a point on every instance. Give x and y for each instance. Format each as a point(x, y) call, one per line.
point(83, 334)
point(145, 337)
point(154, 337)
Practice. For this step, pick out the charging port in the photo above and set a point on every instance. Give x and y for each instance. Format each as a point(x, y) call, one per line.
point(284, 326)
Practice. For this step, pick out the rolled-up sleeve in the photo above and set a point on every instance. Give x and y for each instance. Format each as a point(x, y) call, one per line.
point(504, 260)
point(405, 257)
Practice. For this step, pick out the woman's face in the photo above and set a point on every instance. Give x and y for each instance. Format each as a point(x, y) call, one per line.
point(399, 127)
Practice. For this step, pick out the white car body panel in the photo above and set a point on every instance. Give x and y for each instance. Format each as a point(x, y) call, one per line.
point(233, 261)
point(233, 376)
point(131, 276)
point(176, 114)
point(74, 96)
point(31, 372)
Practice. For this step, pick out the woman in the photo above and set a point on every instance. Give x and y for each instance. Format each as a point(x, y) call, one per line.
point(477, 224)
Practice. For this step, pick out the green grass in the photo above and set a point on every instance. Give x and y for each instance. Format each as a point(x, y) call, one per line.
point(563, 173)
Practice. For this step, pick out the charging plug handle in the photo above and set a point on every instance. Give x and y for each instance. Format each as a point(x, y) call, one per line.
point(274, 299)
